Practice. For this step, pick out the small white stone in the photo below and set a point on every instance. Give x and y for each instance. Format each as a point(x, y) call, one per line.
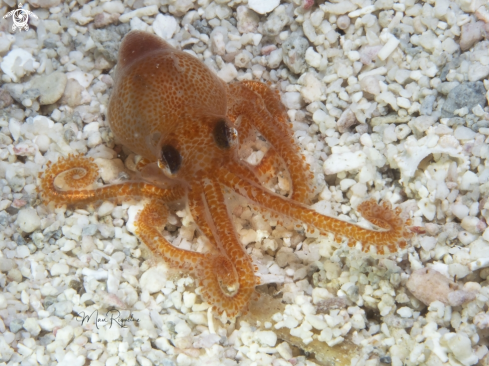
point(457, 270)
point(292, 100)
point(59, 269)
point(22, 251)
point(428, 242)
point(468, 179)
point(105, 209)
point(471, 224)
point(403, 102)
point(32, 326)
point(154, 279)
point(461, 348)
point(427, 208)
point(42, 141)
point(357, 321)
point(182, 329)
point(165, 26)
point(139, 13)
point(28, 220)
point(228, 73)
point(347, 161)
point(109, 169)
point(198, 318)
point(389, 47)
point(284, 350)
point(266, 338)
point(64, 335)
point(13, 64)
point(312, 57)
point(460, 211)
point(263, 6)
point(405, 312)
point(83, 78)
point(464, 133)
point(342, 7)
point(48, 324)
point(113, 7)
point(6, 40)
point(275, 58)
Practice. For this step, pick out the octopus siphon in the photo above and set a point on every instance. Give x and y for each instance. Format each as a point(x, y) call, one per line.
point(188, 125)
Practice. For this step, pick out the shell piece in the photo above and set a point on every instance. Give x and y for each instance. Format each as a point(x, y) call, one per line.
point(51, 87)
point(417, 150)
point(428, 285)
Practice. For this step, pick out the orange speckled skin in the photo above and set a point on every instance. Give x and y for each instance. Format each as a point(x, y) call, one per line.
point(168, 107)
point(162, 95)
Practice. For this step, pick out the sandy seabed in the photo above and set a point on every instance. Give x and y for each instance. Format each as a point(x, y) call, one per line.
point(388, 101)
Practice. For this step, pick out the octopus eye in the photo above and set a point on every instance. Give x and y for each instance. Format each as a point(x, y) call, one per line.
point(223, 134)
point(171, 157)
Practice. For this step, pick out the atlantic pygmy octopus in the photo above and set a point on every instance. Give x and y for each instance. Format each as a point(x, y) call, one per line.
point(172, 110)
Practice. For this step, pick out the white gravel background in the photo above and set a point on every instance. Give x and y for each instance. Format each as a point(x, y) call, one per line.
point(388, 100)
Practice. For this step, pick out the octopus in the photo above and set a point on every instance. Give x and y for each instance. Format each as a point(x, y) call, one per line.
point(188, 126)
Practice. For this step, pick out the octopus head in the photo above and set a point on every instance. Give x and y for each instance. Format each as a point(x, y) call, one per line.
point(196, 146)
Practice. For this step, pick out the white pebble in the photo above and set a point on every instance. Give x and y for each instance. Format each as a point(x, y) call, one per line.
point(403, 102)
point(105, 209)
point(263, 6)
point(266, 338)
point(389, 47)
point(347, 161)
point(292, 100)
point(228, 73)
point(59, 269)
point(139, 13)
point(464, 133)
point(13, 64)
point(42, 141)
point(113, 7)
point(460, 211)
point(405, 312)
point(154, 279)
point(165, 26)
point(312, 57)
point(32, 326)
point(28, 220)
point(468, 179)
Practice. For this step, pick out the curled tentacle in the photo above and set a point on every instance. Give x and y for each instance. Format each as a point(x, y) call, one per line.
point(150, 221)
point(221, 283)
point(393, 233)
point(77, 173)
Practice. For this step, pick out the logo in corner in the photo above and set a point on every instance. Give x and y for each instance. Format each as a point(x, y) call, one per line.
point(20, 17)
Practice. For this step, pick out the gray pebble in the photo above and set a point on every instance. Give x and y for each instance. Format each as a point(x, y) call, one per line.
point(427, 105)
point(276, 21)
point(5, 98)
point(38, 239)
point(19, 239)
point(50, 43)
point(48, 301)
point(4, 218)
point(107, 43)
point(89, 230)
point(295, 53)
point(452, 65)
point(62, 308)
point(16, 325)
point(465, 95)
point(455, 121)
point(202, 26)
